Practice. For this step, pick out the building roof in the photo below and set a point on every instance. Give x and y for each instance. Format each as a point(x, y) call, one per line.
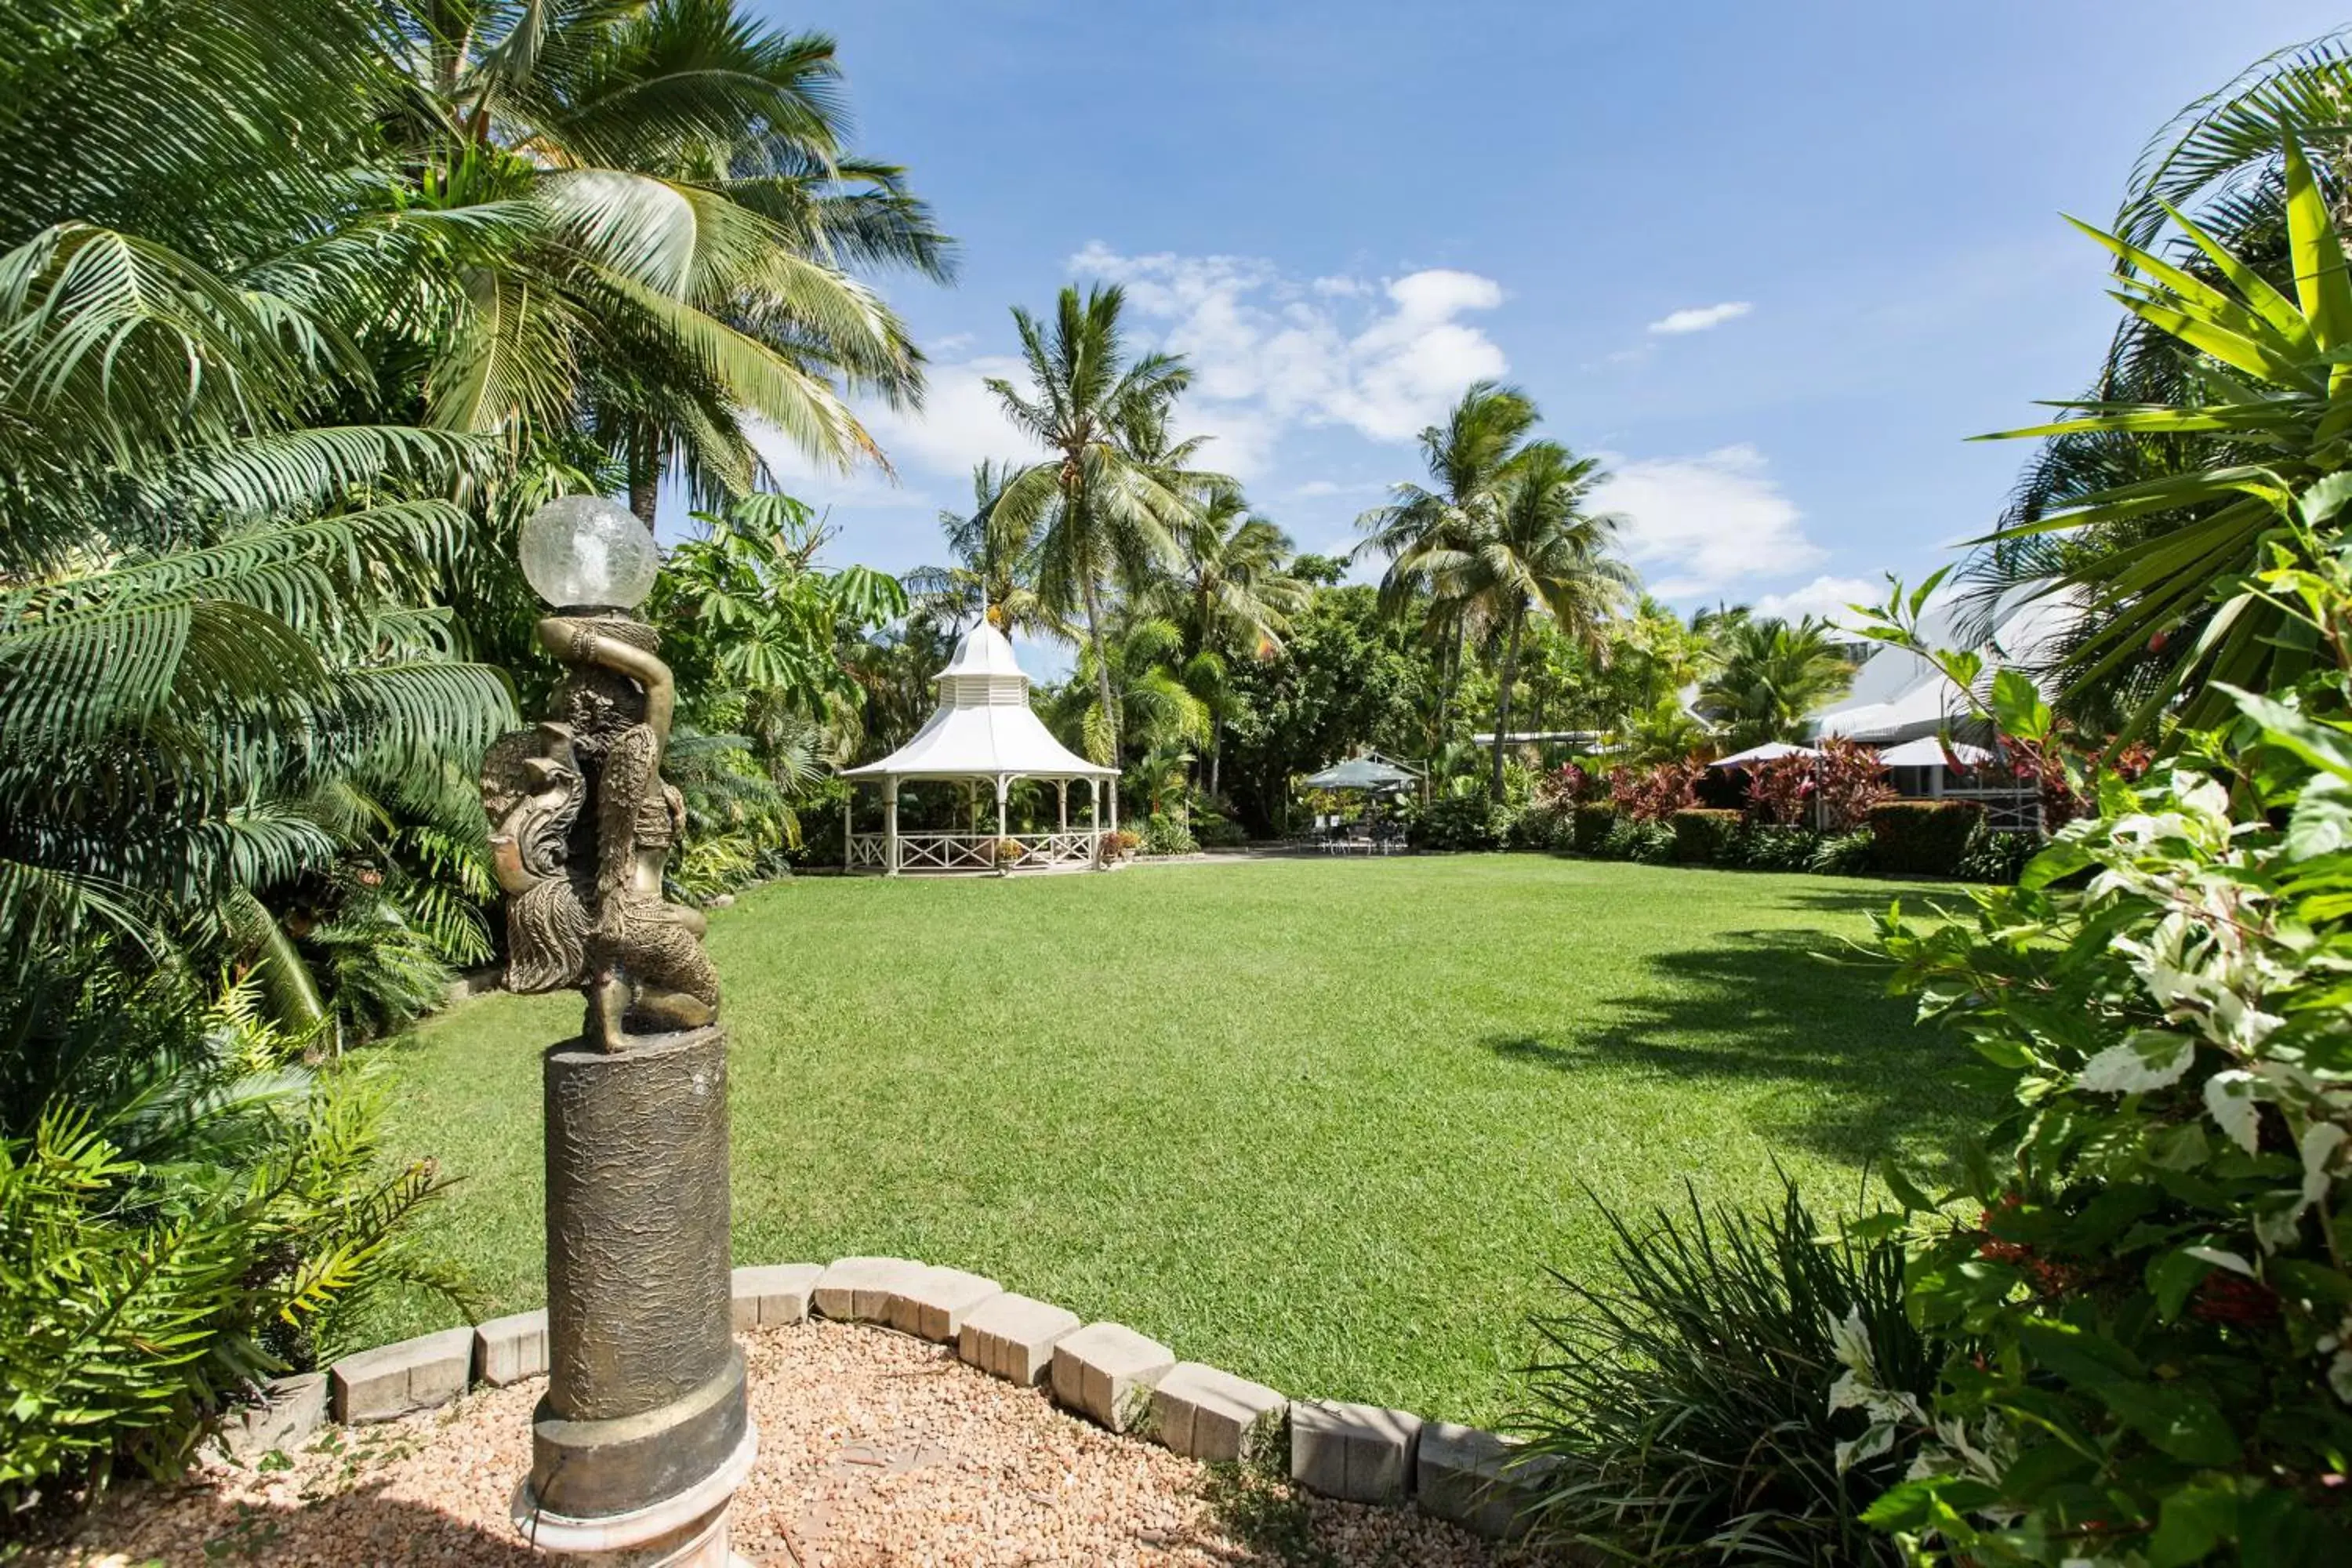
point(983, 726)
point(1898, 696)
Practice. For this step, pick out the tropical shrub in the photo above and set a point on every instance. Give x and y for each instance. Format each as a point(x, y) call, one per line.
point(1213, 830)
point(1649, 842)
point(1780, 791)
point(1536, 828)
point(2151, 1252)
point(184, 1210)
point(1842, 854)
point(1589, 827)
point(1164, 834)
point(1998, 857)
point(1465, 822)
point(1758, 846)
point(1710, 1408)
point(1655, 792)
point(1702, 836)
point(1923, 838)
point(1850, 780)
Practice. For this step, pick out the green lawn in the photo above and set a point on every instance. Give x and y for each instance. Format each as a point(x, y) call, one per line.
point(1325, 1124)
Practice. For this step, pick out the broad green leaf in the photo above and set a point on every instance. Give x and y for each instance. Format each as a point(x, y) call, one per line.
point(2320, 277)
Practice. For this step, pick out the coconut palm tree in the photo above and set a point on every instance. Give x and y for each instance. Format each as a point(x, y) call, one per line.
point(1228, 588)
point(1108, 502)
point(1541, 549)
point(1769, 675)
point(1468, 458)
point(668, 217)
point(989, 574)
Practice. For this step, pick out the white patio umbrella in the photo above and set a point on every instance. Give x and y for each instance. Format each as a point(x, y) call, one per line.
point(1930, 752)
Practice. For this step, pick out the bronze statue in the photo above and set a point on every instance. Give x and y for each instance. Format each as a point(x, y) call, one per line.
point(581, 825)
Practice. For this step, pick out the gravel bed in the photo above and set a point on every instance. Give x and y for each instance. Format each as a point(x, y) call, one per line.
point(875, 1449)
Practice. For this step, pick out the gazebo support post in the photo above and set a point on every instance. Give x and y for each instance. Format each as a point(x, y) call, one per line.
point(997, 852)
point(1094, 818)
point(848, 828)
point(889, 825)
point(1062, 803)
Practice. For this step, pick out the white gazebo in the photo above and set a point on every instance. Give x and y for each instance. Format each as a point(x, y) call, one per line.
point(982, 731)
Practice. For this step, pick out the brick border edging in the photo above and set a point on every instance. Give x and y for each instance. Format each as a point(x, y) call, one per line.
point(1105, 1371)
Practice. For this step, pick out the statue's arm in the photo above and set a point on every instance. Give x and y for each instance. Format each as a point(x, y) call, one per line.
point(576, 641)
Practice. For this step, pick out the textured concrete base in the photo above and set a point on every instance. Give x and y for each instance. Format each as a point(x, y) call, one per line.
point(598, 1469)
point(687, 1531)
point(645, 1388)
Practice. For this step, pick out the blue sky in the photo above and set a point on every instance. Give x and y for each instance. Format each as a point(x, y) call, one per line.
point(1774, 261)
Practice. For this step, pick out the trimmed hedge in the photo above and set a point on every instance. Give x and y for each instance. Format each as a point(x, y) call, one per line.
point(1589, 829)
point(1923, 838)
point(1702, 834)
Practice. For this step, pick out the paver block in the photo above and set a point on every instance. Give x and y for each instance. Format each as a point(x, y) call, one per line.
point(1205, 1413)
point(933, 1306)
point(861, 1289)
point(1107, 1371)
point(774, 1294)
point(1468, 1476)
point(294, 1408)
point(1358, 1453)
point(392, 1380)
point(1012, 1337)
point(507, 1350)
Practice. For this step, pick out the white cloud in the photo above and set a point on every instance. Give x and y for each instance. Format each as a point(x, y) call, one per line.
point(961, 422)
point(1699, 318)
point(1825, 595)
point(1386, 358)
point(1314, 488)
point(1700, 525)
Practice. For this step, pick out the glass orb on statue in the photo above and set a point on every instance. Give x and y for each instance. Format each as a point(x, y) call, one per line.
point(588, 552)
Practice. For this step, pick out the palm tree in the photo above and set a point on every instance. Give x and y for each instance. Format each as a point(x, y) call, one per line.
point(1468, 458)
point(1232, 595)
point(989, 574)
point(1771, 675)
point(1544, 551)
point(2129, 511)
point(1106, 502)
point(666, 216)
point(1229, 588)
point(1154, 706)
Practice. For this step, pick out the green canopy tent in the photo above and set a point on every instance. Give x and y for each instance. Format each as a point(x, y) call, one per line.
point(1373, 775)
point(1370, 775)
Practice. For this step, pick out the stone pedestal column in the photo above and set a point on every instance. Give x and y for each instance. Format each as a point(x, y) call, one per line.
point(644, 1433)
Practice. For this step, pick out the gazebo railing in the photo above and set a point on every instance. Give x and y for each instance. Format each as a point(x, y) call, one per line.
point(972, 851)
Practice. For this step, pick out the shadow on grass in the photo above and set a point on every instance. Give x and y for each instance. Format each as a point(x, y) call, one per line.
point(1763, 1010)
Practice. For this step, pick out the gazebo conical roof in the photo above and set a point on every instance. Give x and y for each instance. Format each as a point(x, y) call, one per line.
point(983, 726)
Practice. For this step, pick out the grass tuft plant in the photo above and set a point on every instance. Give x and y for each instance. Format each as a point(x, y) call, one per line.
point(1689, 1407)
